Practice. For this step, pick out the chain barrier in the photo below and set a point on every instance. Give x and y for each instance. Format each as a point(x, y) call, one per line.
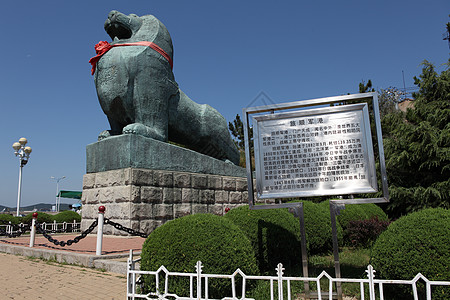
point(68, 242)
point(18, 230)
point(128, 230)
point(23, 228)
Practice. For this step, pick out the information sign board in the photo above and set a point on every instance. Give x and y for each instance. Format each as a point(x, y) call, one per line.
point(314, 152)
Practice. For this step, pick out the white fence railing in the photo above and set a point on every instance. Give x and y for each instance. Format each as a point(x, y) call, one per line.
point(280, 286)
point(50, 227)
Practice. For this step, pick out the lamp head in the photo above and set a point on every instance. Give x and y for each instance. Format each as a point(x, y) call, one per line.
point(16, 146)
point(23, 141)
point(27, 150)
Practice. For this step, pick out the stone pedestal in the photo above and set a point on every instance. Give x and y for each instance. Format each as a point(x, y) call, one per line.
point(144, 183)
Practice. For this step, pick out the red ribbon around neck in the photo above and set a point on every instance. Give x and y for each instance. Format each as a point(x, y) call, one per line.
point(103, 47)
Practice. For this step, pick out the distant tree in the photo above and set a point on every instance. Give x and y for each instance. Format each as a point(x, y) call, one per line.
point(366, 88)
point(237, 130)
point(447, 33)
point(388, 99)
point(417, 146)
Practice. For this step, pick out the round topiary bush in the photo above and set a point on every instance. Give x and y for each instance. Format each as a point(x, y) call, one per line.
point(274, 234)
point(42, 218)
point(361, 223)
point(352, 212)
point(215, 241)
point(318, 228)
point(418, 242)
point(6, 218)
point(67, 216)
point(372, 211)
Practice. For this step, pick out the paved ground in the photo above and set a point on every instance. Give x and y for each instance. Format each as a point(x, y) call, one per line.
point(26, 278)
point(111, 244)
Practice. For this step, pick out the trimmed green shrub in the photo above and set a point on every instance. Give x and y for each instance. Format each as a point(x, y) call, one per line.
point(274, 234)
point(42, 218)
point(418, 242)
point(352, 212)
point(215, 241)
point(67, 216)
point(318, 228)
point(373, 211)
point(353, 218)
point(6, 218)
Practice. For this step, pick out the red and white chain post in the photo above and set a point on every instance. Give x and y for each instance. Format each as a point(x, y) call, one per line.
point(33, 229)
point(101, 218)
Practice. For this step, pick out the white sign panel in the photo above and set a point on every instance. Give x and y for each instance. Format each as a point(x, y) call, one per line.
point(315, 152)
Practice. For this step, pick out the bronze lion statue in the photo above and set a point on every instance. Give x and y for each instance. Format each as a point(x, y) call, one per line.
point(138, 93)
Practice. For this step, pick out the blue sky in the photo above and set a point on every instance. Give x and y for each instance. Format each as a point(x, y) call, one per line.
point(225, 54)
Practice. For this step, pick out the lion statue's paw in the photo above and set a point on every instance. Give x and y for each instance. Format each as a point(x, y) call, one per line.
point(141, 129)
point(103, 135)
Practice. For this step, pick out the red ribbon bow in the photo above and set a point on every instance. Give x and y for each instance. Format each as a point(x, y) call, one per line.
point(102, 47)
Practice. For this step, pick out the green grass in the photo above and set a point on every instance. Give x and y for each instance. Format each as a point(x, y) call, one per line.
point(350, 260)
point(353, 263)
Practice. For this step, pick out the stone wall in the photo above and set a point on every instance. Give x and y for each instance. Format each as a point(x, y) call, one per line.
point(143, 199)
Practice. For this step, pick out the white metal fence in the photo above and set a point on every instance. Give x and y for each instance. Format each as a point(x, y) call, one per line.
point(50, 227)
point(280, 286)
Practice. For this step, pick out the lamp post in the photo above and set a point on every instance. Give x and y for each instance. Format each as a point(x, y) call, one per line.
point(24, 154)
point(58, 195)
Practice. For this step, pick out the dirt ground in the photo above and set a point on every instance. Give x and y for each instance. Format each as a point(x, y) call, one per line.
point(30, 278)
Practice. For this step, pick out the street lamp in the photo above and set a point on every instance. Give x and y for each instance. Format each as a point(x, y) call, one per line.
point(24, 154)
point(58, 194)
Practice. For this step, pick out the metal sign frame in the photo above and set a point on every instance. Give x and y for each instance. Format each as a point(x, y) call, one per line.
point(300, 106)
point(314, 152)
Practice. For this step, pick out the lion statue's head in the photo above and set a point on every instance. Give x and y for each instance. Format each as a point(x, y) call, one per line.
point(132, 28)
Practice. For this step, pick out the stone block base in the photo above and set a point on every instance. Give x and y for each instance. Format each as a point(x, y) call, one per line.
point(143, 199)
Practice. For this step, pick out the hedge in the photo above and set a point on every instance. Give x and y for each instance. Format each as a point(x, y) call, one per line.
point(318, 228)
point(358, 218)
point(215, 241)
point(6, 218)
point(374, 211)
point(42, 218)
point(67, 216)
point(273, 233)
point(418, 242)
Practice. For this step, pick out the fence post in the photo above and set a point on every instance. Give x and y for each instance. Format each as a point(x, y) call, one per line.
point(370, 274)
point(199, 268)
point(280, 274)
point(9, 228)
point(131, 277)
point(33, 229)
point(101, 218)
